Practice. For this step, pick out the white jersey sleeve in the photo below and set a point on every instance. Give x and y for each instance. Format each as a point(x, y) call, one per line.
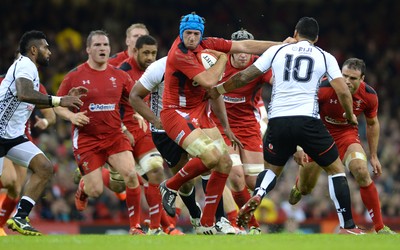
point(333, 69)
point(13, 113)
point(154, 74)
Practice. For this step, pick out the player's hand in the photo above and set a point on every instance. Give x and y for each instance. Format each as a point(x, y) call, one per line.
point(80, 119)
point(376, 166)
point(142, 122)
point(300, 157)
point(217, 53)
point(290, 40)
point(213, 93)
point(235, 142)
point(78, 91)
point(41, 123)
point(157, 123)
point(351, 119)
point(71, 102)
point(130, 137)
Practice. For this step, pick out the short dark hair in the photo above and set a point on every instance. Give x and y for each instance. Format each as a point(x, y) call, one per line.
point(356, 64)
point(95, 33)
point(28, 39)
point(308, 28)
point(145, 40)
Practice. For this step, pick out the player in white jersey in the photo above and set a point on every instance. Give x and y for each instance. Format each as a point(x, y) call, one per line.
point(293, 116)
point(19, 93)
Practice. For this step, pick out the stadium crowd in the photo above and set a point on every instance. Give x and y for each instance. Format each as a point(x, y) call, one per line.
point(67, 23)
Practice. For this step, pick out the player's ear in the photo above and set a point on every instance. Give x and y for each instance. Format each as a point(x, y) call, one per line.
point(316, 39)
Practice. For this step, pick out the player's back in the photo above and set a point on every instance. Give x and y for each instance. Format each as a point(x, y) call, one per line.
point(298, 69)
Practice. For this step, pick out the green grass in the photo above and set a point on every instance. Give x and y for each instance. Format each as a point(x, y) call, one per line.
point(195, 242)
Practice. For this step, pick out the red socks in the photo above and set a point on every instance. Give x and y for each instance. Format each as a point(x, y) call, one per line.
point(241, 197)
point(106, 177)
point(193, 168)
point(214, 189)
point(133, 205)
point(7, 207)
point(153, 197)
point(370, 198)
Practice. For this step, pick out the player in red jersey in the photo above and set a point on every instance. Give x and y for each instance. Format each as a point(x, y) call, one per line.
point(134, 31)
point(365, 100)
point(185, 112)
point(150, 162)
point(96, 126)
point(244, 115)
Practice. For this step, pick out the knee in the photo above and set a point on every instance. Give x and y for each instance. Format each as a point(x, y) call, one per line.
point(93, 190)
point(361, 175)
point(131, 179)
point(156, 176)
point(46, 170)
point(224, 164)
point(237, 181)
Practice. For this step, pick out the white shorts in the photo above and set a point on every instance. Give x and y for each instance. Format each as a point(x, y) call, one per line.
point(21, 154)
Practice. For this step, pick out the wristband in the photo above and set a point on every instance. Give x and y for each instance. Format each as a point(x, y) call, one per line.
point(221, 89)
point(46, 122)
point(54, 101)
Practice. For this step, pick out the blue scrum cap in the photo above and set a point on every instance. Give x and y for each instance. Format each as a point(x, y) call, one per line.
point(242, 34)
point(191, 21)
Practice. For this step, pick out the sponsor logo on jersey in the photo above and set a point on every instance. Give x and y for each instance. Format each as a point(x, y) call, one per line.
point(98, 107)
point(234, 99)
point(85, 82)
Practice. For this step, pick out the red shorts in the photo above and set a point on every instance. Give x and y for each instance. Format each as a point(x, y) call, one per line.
point(250, 137)
point(143, 142)
point(344, 139)
point(93, 153)
point(179, 123)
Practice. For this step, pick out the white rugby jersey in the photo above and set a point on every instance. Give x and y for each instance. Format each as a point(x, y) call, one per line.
point(297, 69)
point(153, 80)
point(13, 113)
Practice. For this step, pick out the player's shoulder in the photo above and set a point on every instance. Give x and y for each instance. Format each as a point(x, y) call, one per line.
point(368, 88)
point(117, 71)
point(125, 66)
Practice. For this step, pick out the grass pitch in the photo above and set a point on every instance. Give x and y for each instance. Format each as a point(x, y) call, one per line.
point(199, 242)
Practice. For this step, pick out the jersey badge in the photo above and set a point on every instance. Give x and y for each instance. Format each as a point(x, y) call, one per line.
point(113, 79)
